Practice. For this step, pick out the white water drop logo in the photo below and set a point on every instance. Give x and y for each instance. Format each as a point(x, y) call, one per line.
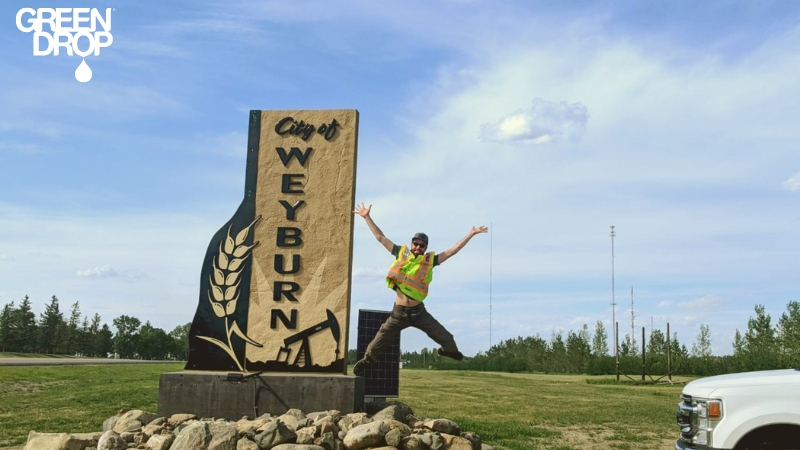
point(75, 31)
point(83, 73)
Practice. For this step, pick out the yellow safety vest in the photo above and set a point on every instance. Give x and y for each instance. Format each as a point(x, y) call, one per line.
point(411, 274)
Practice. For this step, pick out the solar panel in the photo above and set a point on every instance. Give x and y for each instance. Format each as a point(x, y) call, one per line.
point(381, 379)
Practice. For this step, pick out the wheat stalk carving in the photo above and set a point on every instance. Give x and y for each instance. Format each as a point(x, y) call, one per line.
point(225, 278)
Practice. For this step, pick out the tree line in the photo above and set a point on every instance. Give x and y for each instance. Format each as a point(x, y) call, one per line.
point(762, 346)
point(55, 332)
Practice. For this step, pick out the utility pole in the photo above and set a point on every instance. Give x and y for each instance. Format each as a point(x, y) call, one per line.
point(632, 319)
point(491, 227)
point(613, 302)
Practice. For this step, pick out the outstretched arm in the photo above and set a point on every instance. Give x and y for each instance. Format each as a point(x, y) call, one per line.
point(445, 255)
point(363, 211)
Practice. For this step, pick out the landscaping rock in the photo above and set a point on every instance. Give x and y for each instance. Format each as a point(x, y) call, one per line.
point(294, 419)
point(473, 438)
point(397, 411)
point(365, 436)
point(297, 447)
point(152, 429)
point(194, 437)
point(326, 441)
point(160, 442)
point(110, 440)
point(387, 429)
point(50, 441)
point(177, 419)
point(432, 441)
point(306, 435)
point(353, 420)
point(456, 442)
point(133, 420)
point(110, 422)
point(223, 436)
point(244, 425)
point(275, 433)
point(246, 444)
point(443, 426)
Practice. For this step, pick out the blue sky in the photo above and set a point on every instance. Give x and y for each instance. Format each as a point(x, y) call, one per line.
point(675, 122)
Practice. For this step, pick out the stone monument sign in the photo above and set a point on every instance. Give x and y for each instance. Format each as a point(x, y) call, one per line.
point(275, 280)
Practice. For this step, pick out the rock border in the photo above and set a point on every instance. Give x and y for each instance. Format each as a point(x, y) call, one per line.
point(393, 426)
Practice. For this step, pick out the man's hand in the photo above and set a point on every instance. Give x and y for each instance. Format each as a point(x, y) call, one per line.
point(445, 255)
point(362, 210)
point(478, 230)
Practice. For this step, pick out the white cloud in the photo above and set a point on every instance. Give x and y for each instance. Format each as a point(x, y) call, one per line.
point(793, 183)
point(665, 304)
point(105, 271)
point(544, 121)
point(367, 273)
point(580, 321)
point(706, 303)
point(6, 257)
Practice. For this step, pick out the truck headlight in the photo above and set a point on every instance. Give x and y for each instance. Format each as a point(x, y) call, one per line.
point(709, 412)
point(698, 417)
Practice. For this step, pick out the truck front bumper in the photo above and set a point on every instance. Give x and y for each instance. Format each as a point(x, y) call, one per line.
point(681, 445)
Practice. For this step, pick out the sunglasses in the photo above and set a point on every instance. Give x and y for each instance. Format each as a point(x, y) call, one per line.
point(419, 244)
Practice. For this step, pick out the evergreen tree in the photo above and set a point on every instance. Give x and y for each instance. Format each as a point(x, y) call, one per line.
point(24, 328)
point(578, 350)
point(761, 345)
point(600, 340)
point(52, 328)
point(73, 336)
point(701, 348)
point(677, 349)
point(84, 341)
point(7, 326)
point(93, 337)
point(657, 344)
point(103, 342)
point(628, 347)
point(789, 334)
point(738, 344)
point(558, 353)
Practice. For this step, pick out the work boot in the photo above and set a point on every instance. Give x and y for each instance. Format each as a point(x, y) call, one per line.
point(455, 355)
point(361, 364)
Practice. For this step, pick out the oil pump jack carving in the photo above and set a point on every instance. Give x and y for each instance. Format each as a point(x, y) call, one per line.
point(305, 350)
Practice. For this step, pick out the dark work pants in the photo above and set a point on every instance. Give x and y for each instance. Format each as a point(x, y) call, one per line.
point(403, 317)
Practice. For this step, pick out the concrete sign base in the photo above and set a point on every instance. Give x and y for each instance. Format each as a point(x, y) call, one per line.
point(234, 395)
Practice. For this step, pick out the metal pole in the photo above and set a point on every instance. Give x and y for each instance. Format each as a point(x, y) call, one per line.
point(669, 356)
point(613, 302)
point(644, 366)
point(616, 344)
point(491, 228)
point(633, 326)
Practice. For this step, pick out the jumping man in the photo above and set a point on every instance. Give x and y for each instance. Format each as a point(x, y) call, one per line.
point(409, 276)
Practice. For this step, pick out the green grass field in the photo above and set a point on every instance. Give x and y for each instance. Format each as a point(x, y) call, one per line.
point(509, 411)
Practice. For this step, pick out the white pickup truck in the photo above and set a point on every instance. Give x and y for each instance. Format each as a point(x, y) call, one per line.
point(741, 411)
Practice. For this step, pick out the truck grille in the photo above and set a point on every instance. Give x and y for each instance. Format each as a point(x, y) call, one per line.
point(686, 417)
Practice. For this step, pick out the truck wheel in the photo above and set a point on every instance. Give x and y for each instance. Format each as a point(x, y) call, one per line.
point(768, 444)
